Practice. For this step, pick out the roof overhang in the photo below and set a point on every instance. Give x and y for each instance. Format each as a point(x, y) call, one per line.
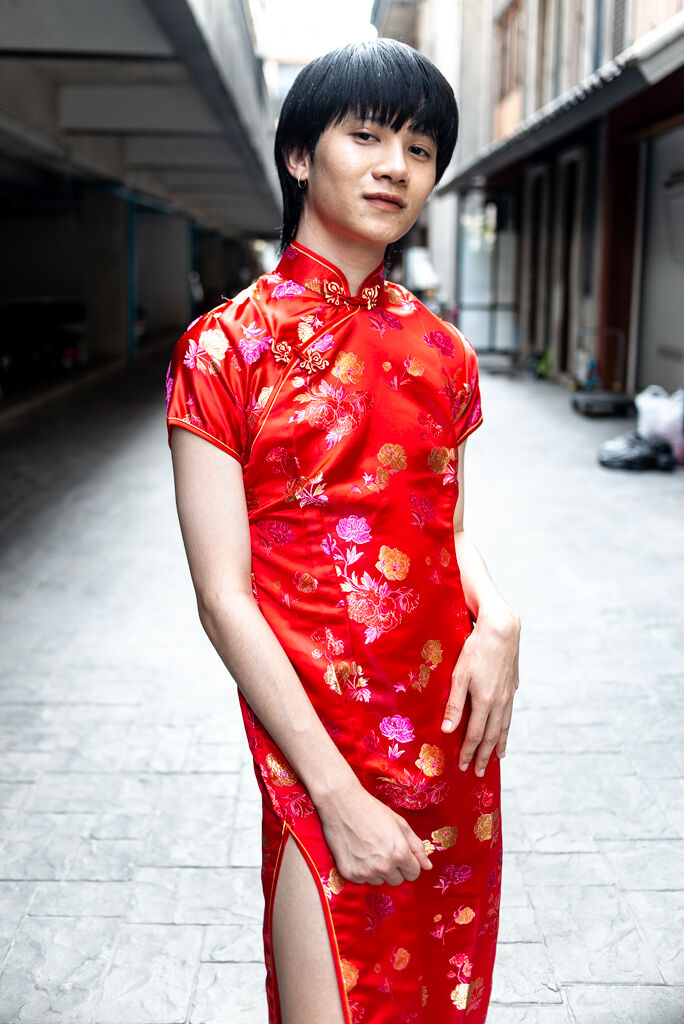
point(653, 57)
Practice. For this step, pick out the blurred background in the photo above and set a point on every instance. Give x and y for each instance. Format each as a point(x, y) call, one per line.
point(137, 182)
point(137, 188)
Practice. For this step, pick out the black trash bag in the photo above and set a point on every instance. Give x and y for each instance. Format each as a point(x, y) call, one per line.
point(632, 451)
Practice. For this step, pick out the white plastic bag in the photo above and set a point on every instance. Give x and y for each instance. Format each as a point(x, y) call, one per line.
point(661, 415)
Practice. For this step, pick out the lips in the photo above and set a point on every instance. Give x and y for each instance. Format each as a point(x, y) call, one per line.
point(386, 200)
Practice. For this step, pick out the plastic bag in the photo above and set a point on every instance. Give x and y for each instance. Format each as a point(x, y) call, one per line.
point(661, 416)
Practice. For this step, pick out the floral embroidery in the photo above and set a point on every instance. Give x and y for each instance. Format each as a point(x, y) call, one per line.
point(441, 341)
point(383, 319)
point(347, 677)
point(348, 368)
point(330, 408)
point(397, 728)
point(207, 353)
point(445, 837)
point(305, 582)
point(279, 773)
point(299, 488)
point(273, 532)
point(400, 958)
point(430, 760)
point(393, 563)
point(287, 290)
point(422, 511)
point(412, 368)
point(333, 884)
point(380, 907)
point(354, 529)
point(453, 875)
point(350, 974)
point(254, 341)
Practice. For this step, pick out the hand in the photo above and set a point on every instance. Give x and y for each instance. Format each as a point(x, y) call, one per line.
point(369, 841)
point(487, 668)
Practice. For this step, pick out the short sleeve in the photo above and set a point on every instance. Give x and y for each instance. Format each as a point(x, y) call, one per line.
point(205, 387)
point(466, 404)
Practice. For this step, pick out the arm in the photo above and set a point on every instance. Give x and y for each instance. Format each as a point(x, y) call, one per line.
point(487, 667)
point(369, 841)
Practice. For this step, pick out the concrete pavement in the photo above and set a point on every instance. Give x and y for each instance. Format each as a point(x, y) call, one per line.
point(129, 837)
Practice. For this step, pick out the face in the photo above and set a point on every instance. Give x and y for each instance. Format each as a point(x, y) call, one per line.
point(366, 184)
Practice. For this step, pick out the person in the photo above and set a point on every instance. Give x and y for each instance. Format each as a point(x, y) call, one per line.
point(319, 480)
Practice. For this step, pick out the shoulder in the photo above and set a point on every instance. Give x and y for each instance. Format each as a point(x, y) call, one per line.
point(437, 333)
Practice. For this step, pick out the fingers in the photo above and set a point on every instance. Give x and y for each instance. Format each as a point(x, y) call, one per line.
point(489, 741)
point(474, 733)
point(455, 703)
point(418, 851)
point(503, 735)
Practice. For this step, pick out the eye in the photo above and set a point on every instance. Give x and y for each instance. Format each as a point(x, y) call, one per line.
point(363, 135)
point(421, 151)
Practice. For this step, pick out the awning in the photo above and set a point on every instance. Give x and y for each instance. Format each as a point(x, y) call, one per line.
point(653, 57)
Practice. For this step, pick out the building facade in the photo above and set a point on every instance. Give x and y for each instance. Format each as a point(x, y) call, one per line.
point(558, 230)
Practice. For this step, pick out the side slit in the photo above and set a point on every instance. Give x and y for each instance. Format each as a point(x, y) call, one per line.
point(327, 916)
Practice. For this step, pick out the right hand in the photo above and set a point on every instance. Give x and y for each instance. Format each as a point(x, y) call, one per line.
point(370, 842)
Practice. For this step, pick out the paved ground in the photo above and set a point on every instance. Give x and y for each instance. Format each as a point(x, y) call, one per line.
point(129, 892)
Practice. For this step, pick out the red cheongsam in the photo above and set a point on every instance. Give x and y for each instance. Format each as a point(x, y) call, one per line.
point(346, 413)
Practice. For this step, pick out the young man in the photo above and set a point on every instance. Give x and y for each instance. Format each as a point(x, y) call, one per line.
point(323, 524)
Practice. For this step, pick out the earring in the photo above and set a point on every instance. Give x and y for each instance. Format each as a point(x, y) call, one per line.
point(301, 184)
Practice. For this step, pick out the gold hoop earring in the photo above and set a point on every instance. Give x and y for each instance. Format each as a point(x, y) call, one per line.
point(301, 184)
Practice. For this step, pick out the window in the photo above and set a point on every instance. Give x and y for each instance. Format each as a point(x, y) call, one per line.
point(510, 30)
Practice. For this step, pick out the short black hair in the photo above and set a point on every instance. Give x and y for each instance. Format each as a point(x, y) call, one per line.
point(381, 79)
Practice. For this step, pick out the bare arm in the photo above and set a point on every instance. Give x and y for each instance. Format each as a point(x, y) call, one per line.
point(488, 664)
point(370, 843)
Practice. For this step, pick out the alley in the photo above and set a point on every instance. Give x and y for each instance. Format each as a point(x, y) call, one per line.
point(129, 836)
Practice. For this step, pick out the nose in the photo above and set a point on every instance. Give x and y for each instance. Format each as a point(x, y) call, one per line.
point(392, 163)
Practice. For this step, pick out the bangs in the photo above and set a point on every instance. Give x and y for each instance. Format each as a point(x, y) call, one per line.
point(375, 85)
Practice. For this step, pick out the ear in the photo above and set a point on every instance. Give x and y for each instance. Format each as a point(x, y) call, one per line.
point(298, 163)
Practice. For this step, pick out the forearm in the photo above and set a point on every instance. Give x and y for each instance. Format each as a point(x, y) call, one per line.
point(482, 597)
point(265, 676)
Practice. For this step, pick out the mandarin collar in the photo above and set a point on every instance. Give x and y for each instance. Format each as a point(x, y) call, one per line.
point(320, 275)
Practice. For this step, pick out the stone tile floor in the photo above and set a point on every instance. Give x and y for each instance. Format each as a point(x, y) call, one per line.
point(129, 837)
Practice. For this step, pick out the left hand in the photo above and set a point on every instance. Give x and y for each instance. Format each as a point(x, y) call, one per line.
point(487, 668)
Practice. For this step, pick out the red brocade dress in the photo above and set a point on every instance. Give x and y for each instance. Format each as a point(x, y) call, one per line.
point(346, 413)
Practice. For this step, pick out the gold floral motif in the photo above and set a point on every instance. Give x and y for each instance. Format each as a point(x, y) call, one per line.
point(424, 996)
point(444, 556)
point(415, 367)
point(392, 455)
point(393, 563)
point(281, 350)
point(423, 676)
point(445, 837)
point(369, 295)
point(307, 326)
point(459, 996)
point(438, 459)
point(333, 292)
point(387, 365)
point(483, 828)
point(464, 915)
point(305, 582)
point(350, 974)
point(382, 477)
point(400, 958)
point(430, 760)
point(432, 652)
point(428, 847)
point(279, 773)
point(348, 368)
point(313, 361)
point(333, 884)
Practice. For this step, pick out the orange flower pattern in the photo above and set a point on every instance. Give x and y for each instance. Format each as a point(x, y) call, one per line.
point(346, 414)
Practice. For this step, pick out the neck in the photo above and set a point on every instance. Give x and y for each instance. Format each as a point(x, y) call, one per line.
point(356, 260)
